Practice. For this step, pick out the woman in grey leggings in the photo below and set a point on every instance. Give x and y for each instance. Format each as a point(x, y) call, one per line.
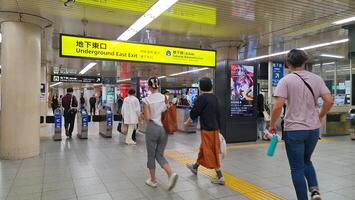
point(156, 138)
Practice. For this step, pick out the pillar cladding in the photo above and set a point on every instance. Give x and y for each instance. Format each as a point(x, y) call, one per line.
point(20, 85)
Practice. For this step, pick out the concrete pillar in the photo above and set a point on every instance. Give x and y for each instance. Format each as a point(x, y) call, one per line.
point(227, 50)
point(21, 65)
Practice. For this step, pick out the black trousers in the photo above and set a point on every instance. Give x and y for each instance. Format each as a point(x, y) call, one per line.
point(69, 120)
point(92, 109)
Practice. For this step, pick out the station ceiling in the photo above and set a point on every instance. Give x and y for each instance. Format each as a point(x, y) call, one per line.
point(189, 23)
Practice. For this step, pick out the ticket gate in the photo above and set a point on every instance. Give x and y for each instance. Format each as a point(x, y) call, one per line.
point(57, 125)
point(106, 122)
point(82, 123)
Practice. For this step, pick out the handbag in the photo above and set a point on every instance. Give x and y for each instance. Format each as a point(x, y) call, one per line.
point(169, 120)
point(267, 117)
point(122, 128)
point(222, 146)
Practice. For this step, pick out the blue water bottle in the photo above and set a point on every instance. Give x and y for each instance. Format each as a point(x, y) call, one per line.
point(272, 145)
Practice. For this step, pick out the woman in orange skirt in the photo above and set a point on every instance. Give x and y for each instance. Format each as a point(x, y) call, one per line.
point(206, 107)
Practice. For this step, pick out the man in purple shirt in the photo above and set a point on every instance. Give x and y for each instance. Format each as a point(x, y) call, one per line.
point(300, 91)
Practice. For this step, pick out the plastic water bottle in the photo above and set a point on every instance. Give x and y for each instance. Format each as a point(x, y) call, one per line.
point(272, 145)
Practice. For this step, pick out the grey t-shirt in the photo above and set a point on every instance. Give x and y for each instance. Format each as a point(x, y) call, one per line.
point(301, 111)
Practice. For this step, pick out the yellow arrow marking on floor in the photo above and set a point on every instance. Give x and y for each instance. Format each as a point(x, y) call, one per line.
point(241, 186)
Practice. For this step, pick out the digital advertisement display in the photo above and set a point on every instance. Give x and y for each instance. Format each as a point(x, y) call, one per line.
point(193, 94)
point(143, 89)
point(242, 90)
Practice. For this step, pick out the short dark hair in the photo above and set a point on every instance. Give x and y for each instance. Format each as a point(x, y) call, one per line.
point(131, 91)
point(153, 82)
point(296, 58)
point(205, 84)
point(70, 90)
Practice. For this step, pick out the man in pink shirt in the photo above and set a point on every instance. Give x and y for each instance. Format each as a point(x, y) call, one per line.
point(300, 91)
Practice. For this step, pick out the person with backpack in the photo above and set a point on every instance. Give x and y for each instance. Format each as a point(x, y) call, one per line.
point(70, 105)
point(300, 90)
point(207, 108)
point(156, 138)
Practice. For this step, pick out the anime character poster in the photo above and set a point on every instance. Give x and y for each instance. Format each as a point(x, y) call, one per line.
point(143, 89)
point(242, 90)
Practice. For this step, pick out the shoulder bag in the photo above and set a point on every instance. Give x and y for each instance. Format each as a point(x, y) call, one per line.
point(72, 110)
point(169, 119)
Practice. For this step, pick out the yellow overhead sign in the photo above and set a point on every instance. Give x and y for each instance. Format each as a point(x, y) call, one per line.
point(83, 47)
point(182, 10)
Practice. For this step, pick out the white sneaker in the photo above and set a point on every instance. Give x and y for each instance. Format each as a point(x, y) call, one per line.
point(151, 184)
point(218, 181)
point(131, 143)
point(172, 181)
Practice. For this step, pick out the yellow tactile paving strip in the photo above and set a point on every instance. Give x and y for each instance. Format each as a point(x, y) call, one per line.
point(246, 146)
point(241, 186)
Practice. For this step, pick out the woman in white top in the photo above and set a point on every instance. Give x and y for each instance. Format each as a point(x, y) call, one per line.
point(156, 138)
point(130, 112)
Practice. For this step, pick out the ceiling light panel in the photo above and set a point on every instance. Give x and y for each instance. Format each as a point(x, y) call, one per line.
point(155, 11)
point(87, 68)
point(344, 21)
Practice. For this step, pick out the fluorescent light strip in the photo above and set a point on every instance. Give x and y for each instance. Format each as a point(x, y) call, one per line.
point(87, 68)
point(331, 56)
point(330, 63)
point(339, 70)
point(0, 37)
point(123, 80)
point(187, 72)
point(55, 84)
point(160, 77)
point(155, 11)
point(303, 48)
point(344, 21)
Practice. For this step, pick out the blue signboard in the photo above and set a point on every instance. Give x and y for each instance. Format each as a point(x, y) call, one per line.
point(84, 118)
point(109, 118)
point(277, 73)
point(57, 118)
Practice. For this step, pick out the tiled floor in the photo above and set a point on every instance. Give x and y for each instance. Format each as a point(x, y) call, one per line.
point(102, 169)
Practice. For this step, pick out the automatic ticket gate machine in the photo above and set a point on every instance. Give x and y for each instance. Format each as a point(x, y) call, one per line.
point(106, 122)
point(57, 125)
point(82, 124)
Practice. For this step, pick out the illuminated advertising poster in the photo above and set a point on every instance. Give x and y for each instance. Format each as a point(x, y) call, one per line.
point(143, 89)
point(193, 93)
point(242, 90)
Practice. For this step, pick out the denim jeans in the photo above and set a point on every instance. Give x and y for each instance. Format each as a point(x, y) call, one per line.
point(299, 148)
